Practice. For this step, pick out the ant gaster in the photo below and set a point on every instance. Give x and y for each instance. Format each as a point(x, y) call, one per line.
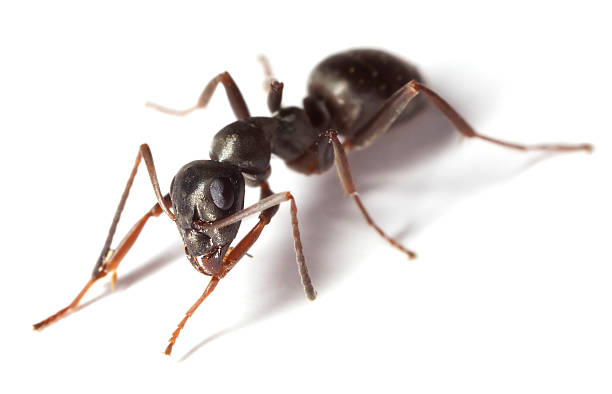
point(357, 94)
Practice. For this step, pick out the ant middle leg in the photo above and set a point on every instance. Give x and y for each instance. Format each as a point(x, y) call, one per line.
point(231, 89)
point(109, 259)
point(393, 107)
point(318, 158)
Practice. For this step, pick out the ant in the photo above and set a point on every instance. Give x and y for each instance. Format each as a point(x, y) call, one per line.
point(358, 94)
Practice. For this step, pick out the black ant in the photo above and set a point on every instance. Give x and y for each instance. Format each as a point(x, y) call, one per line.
point(358, 94)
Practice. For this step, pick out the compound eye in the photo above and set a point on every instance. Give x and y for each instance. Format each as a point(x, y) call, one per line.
point(222, 193)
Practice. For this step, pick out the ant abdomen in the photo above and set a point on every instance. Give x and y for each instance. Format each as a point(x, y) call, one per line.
point(354, 84)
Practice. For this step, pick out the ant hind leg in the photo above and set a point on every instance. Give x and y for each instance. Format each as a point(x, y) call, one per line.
point(393, 107)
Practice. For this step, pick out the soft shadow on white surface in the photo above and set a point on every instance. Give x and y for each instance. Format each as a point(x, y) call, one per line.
point(134, 276)
point(390, 167)
point(394, 167)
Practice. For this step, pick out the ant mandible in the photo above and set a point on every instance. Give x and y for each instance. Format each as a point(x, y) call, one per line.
point(358, 94)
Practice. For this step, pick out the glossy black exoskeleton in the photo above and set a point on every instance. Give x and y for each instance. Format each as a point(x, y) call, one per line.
point(207, 191)
point(357, 95)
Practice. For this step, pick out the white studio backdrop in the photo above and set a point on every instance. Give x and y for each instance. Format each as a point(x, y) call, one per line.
point(511, 290)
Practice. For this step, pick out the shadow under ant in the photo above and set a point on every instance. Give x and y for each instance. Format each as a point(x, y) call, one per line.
point(125, 281)
point(398, 155)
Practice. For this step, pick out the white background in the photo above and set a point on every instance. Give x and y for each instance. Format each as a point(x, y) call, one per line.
point(511, 291)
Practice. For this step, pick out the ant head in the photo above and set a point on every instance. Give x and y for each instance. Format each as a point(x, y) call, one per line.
point(207, 191)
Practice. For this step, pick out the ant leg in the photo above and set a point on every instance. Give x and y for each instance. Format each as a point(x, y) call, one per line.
point(163, 202)
point(275, 96)
point(231, 89)
point(273, 88)
point(109, 265)
point(267, 204)
point(109, 259)
point(209, 289)
point(267, 209)
point(346, 179)
point(267, 69)
point(394, 106)
point(241, 249)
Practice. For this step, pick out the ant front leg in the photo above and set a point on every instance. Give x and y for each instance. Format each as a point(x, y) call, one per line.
point(268, 206)
point(109, 259)
point(231, 89)
point(241, 249)
point(346, 179)
point(393, 107)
